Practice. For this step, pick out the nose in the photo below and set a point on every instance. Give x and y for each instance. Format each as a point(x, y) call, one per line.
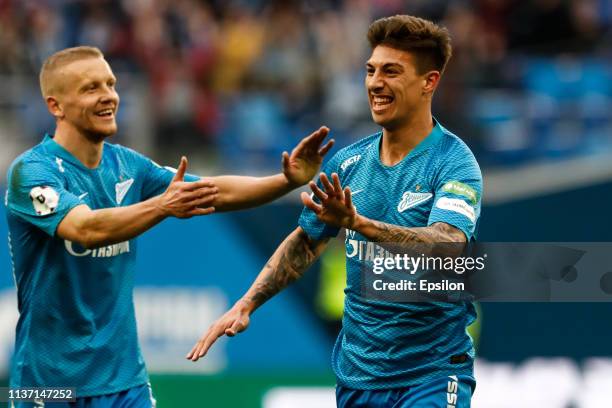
point(375, 82)
point(109, 95)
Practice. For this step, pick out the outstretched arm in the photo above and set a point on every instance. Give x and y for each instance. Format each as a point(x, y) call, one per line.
point(299, 167)
point(288, 263)
point(337, 209)
point(95, 228)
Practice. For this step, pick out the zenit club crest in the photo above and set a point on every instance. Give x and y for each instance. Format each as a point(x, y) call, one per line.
point(410, 199)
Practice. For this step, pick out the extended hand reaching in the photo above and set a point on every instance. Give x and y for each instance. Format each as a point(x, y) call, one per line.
point(305, 160)
point(184, 199)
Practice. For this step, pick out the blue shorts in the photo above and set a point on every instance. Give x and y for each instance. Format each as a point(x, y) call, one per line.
point(137, 397)
point(446, 392)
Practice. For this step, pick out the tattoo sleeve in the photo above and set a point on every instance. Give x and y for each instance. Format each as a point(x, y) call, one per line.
point(438, 238)
point(288, 263)
point(435, 233)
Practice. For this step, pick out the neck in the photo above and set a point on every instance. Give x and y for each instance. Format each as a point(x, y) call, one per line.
point(88, 150)
point(399, 141)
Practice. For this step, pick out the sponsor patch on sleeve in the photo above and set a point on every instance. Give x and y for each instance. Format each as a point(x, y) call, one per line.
point(458, 206)
point(44, 200)
point(462, 189)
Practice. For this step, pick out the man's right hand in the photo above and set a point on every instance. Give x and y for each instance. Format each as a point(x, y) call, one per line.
point(186, 199)
point(288, 263)
point(234, 321)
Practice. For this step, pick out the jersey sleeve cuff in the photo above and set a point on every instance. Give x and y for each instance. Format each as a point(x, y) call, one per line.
point(51, 229)
point(317, 234)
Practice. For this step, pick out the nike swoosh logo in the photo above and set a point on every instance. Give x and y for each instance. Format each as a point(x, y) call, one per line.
point(82, 196)
point(357, 191)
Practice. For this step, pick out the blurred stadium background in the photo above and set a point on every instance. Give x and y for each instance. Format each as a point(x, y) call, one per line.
point(234, 83)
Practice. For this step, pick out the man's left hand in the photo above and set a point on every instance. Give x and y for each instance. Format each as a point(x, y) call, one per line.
point(336, 206)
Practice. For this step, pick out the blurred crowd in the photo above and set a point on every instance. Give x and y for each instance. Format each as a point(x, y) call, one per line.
point(247, 78)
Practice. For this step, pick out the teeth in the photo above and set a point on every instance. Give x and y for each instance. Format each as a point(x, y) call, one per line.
point(382, 100)
point(106, 112)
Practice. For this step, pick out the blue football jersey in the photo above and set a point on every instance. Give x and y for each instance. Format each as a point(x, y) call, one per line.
point(384, 344)
point(76, 326)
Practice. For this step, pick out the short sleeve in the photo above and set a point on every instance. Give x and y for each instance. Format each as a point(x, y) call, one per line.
point(308, 221)
point(458, 193)
point(37, 194)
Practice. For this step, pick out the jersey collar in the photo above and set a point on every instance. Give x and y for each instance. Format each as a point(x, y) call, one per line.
point(432, 138)
point(58, 150)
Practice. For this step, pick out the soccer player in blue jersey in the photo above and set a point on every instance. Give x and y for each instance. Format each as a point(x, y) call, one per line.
point(412, 183)
point(74, 205)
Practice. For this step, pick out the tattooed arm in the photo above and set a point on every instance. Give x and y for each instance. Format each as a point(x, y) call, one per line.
point(288, 263)
point(439, 238)
point(291, 259)
point(382, 232)
point(336, 208)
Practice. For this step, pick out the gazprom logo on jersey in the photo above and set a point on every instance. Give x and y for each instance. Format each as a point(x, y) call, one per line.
point(410, 199)
point(363, 250)
point(349, 161)
point(102, 252)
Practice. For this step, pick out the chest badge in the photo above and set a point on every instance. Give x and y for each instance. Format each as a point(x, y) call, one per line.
point(121, 189)
point(410, 199)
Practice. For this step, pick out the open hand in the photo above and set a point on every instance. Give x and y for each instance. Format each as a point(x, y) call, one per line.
point(305, 160)
point(336, 206)
point(234, 321)
point(185, 199)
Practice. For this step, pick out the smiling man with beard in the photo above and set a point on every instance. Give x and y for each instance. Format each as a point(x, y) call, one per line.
point(75, 204)
point(418, 184)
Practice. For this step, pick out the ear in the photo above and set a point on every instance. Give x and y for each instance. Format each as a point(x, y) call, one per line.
point(430, 81)
point(54, 107)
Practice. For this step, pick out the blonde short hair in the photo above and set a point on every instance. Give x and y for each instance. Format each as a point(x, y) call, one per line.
point(51, 66)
